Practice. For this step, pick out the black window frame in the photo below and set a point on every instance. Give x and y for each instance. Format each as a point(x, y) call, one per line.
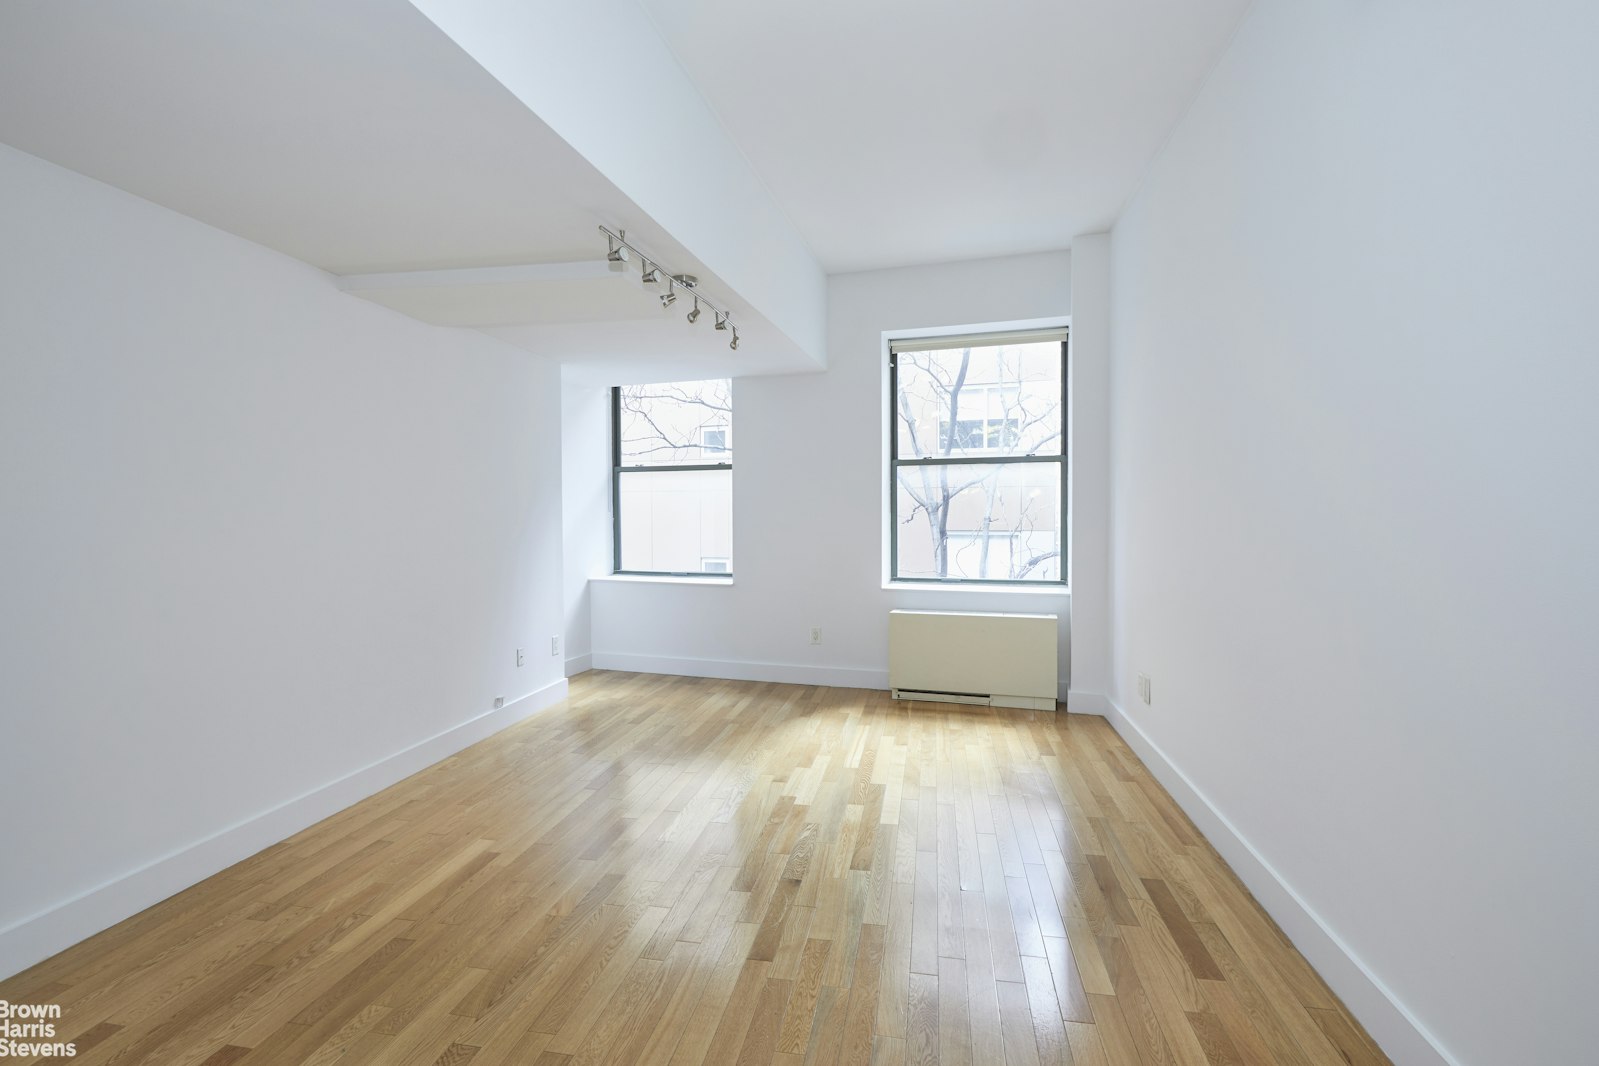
point(895, 463)
point(618, 471)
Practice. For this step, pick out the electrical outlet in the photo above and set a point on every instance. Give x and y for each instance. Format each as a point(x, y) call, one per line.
point(519, 657)
point(816, 634)
point(499, 701)
point(1143, 687)
point(555, 645)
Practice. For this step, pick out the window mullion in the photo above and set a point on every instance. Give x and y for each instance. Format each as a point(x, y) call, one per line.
point(979, 460)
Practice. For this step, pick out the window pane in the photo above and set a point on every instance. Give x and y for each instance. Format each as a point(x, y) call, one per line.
point(677, 423)
point(992, 400)
point(996, 522)
point(674, 521)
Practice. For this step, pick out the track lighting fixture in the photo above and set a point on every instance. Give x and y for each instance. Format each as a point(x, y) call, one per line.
point(618, 252)
point(650, 271)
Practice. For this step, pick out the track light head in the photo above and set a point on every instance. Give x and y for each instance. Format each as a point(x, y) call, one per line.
point(694, 315)
point(618, 252)
point(721, 320)
point(651, 276)
point(668, 298)
point(734, 343)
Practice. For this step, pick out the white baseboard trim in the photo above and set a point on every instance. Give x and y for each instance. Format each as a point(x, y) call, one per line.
point(44, 934)
point(1080, 702)
point(733, 670)
point(1397, 1031)
point(578, 664)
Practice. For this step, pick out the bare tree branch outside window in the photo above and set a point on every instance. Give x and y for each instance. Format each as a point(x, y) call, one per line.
point(998, 520)
point(669, 423)
point(672, 496)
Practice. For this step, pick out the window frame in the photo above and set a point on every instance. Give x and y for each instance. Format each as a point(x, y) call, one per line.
point(617, 470)
point(895, 463)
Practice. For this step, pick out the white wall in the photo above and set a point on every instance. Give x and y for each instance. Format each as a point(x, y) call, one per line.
point(585, 508)
point(265, 548)
point(1088, 396)
point(1355, 503)
point(808, 510)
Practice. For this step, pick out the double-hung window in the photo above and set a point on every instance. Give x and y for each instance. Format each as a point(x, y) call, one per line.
point(977, 458)
point(672, 478)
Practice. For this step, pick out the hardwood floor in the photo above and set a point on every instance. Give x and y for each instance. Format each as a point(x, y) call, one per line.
point(681, 871)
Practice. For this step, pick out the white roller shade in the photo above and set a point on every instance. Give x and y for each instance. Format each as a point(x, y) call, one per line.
point(976, 340)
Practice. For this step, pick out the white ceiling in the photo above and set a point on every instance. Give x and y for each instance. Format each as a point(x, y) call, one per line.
point(355, 136)
point(358, 137)
point(352, 135)
point(913, 131)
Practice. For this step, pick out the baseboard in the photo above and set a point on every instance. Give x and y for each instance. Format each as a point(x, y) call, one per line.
point(44, 934)
point(734, 670)
point(1397, 1031)
point(1079, 702)
point(578, 664)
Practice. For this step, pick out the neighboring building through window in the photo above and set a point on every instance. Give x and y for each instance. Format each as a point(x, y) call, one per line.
point(672, 477)
point(977, 462)
point(713, 440)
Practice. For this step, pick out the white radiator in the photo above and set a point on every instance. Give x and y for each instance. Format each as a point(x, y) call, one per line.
point(1004, 660)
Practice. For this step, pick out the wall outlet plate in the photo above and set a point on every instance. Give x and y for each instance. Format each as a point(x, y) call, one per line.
point(499, 701)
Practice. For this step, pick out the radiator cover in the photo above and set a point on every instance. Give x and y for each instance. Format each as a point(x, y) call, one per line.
point(1002, 660)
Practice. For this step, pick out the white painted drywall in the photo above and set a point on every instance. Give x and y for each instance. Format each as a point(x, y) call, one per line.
point(257, 536)
point(808, 499)
point(585, 508)
point(1355, 503)
point(1088, 399)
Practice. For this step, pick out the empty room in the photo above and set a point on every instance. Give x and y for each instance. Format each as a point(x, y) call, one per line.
point(688, 532)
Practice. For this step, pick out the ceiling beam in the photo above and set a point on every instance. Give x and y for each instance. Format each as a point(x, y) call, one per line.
point(585, 270)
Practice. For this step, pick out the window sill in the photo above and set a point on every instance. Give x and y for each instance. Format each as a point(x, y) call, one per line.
point(1003, 590)
point(662, 579)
